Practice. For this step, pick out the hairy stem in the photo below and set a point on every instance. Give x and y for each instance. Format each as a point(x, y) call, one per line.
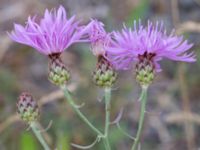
point(141, 120)
point(37, 133)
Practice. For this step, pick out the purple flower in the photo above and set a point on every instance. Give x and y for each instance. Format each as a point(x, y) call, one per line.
point(99, 38)
point(151, 42)
point(53, 34)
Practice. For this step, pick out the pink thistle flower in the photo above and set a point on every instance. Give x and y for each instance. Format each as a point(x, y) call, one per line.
point(99, 38)
point(104, 74)
point(151, 42)
point(53, 34)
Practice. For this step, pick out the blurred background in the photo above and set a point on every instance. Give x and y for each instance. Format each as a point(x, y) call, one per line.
point(172, 120)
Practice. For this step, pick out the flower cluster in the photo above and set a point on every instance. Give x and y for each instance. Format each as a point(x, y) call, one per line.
point(145, 46)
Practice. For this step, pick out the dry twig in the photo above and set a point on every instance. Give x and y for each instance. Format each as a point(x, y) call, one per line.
point(181, 117)
point(188, 126)
point(188, 26)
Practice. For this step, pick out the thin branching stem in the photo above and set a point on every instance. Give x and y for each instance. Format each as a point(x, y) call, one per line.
point(35, 128)
point(74, 106)
point(104, 135)
point(107, 118)
point(141, 120)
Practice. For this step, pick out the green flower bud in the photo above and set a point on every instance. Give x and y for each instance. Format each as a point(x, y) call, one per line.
point(104, 75)
point(27, 108)
point(58, 73)
point(145, 70)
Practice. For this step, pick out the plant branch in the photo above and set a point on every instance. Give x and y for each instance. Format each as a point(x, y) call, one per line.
point(142, 114)
point(38, 134)
point(74, 106)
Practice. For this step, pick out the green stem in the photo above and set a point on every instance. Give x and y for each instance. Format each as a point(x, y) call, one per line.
point(106, 143)
point(107, 109)
point(142, 114)
point(107, 118)
point(71, 102)
point(37, 133)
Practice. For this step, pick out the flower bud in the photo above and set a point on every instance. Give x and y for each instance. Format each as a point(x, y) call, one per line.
point(27, 108)
point(145, 70)
point(104, 74)
point(58, 73)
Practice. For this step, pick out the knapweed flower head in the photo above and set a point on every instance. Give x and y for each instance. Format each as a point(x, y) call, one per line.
point(53, 34)
point(132, 44)
point(27, 108)
point(98, 37)
point(104, 74)
point(146, 46)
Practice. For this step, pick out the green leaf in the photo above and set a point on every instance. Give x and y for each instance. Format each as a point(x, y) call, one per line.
point(28, 142)
point(63, 141)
